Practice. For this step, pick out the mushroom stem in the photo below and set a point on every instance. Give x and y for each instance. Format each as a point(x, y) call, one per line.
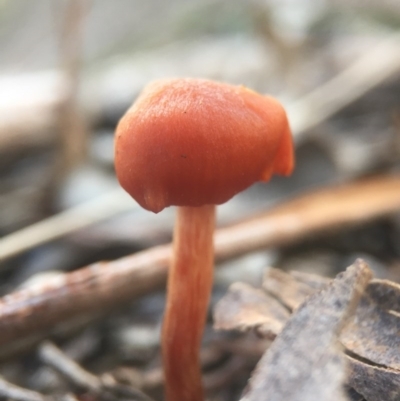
point(189, 287)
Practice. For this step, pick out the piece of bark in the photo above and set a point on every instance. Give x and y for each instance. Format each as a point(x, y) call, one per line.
point(245, 307)
point(373, 382)
point(304, 363)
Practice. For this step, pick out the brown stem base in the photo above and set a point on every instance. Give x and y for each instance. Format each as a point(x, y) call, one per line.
point(189, 287)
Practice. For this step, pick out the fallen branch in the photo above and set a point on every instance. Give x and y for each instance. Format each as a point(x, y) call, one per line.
point(102, 286)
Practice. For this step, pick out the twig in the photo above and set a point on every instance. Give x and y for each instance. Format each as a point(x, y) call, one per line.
point(325, 209)
point(12, 392)
point(121, 391)
point(370, 70)
point(63, 223)
point(54, 357)
point(73, 144)
point(101, 286)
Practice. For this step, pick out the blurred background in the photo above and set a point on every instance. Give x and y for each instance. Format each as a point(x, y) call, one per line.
point(69, 70)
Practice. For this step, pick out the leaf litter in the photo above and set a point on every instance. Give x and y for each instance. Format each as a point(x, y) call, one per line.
point(342, 334)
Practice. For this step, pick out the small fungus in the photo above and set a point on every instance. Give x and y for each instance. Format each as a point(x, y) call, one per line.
point(195, 143)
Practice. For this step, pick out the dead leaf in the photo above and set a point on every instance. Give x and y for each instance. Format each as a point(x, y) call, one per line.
point(371, 337)
point(374, 332)
point(292, 289)
point(245, 307)
point(304, 362)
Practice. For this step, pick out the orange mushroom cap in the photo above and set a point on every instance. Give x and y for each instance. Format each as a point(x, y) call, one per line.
point(193, 142)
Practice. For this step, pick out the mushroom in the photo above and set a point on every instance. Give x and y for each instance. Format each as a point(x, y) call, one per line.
point(195, 143)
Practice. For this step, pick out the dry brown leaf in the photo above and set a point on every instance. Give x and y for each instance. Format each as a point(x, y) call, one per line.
point(304, 363)
point(372, 336)
point(245, 307)
point(311, 280)
point(286, 288)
